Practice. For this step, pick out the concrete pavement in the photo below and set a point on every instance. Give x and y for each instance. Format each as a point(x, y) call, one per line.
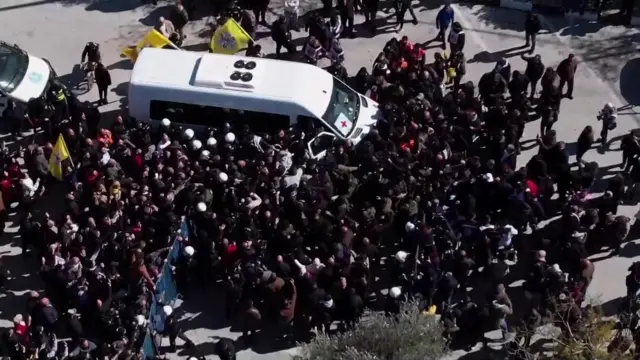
point(58, 30)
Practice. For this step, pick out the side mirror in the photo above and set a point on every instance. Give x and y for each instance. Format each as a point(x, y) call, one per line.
point(319, 145)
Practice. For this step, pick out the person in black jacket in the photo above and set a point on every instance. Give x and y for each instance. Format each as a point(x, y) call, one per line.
point(534, 71)
point(531, 29)
point(281, 36)
point(103, 80)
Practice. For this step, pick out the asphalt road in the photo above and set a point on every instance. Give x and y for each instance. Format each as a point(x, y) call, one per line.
point(609, 72)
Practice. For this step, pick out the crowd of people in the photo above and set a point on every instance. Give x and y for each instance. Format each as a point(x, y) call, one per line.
point(434, 205)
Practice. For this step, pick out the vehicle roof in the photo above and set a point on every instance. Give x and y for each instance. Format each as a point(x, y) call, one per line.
point(283, 81)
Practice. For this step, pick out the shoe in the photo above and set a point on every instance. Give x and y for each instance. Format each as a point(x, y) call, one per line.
point(415, 21)
point(172, 348)
point(570, 97)
point(189, 345)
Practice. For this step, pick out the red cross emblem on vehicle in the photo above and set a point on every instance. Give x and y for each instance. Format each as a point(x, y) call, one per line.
point(343, 124)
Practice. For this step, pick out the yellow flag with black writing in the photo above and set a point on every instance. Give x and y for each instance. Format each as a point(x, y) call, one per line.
point(59, 154)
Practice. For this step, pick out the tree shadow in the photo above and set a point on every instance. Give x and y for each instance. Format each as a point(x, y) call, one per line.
point(497, 18)
point(122, 89)
point(492, 57)
point(123, 64)
point(152, 17)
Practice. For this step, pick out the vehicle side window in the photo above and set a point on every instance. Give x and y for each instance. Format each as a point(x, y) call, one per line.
point(196, 115)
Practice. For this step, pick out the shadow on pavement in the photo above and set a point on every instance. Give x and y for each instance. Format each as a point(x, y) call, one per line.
point(629, 88)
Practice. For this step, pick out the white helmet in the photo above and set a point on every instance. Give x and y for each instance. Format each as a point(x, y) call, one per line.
point(201, 207)
point(140, 320)
point(212, 141)
point(230, 137)
point(223, 177)
point(188, 134)
point(168, 310)
point(204, 155)
point(395, 292)
point(189, 250)
point(609, 106)
point(409, 226)
point(166, 122)
point(401, 256)
point(196, 144)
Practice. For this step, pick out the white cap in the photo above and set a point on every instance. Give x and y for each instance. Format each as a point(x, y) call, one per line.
point(401, 256)
point(196, 144)
point(140, 320)
point(395, 292)
point(201, 207)
point(188, 133)
point(168, 310)
point(204, 154)
point(230, 137)
point(189, 250)
point(488, 177)
point(556, 268)
point(212, 141)
point(166, 122)
point(223, 177)
point(608, 105)
point(409, 226)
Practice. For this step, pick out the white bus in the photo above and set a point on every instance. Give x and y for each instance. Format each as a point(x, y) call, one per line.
point(197, 90)
point(22, 76)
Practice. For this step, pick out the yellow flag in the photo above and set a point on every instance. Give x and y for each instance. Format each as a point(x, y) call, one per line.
point(153, 38)
point(58, 155)
point(229, 38)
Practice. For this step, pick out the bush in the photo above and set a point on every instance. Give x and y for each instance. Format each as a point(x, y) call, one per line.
point(411, 335)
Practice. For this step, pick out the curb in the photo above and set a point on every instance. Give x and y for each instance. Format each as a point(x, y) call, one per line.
point(523, 5)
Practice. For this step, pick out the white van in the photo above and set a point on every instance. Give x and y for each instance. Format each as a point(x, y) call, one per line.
point(22, 76)
point(196, 90)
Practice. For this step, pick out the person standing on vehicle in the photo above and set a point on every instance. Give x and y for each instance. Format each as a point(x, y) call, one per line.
point(103, 80)
point(531, 28)
point(179, 17)
point(443, 20)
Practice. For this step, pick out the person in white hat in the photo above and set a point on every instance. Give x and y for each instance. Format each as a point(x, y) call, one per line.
point(409, 226)
point(189, 251)
point(166, 122)
point(230, 137)
point(173, 330)
point(401, 256)
point(141, 320)
point(211, 142)
point(223, 177)
point(196, 145)
point(189, 134)
point(204, 155)
point(201, 207)
point(395, 292)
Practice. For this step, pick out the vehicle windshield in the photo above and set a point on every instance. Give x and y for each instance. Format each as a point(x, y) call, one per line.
point(13, 67)
point(342, 112)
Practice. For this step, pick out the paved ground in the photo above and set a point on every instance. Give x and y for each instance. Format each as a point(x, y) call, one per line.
point(58, 30)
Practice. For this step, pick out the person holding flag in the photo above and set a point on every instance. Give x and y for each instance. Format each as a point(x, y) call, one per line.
point(59, 154)
point(153, 38)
